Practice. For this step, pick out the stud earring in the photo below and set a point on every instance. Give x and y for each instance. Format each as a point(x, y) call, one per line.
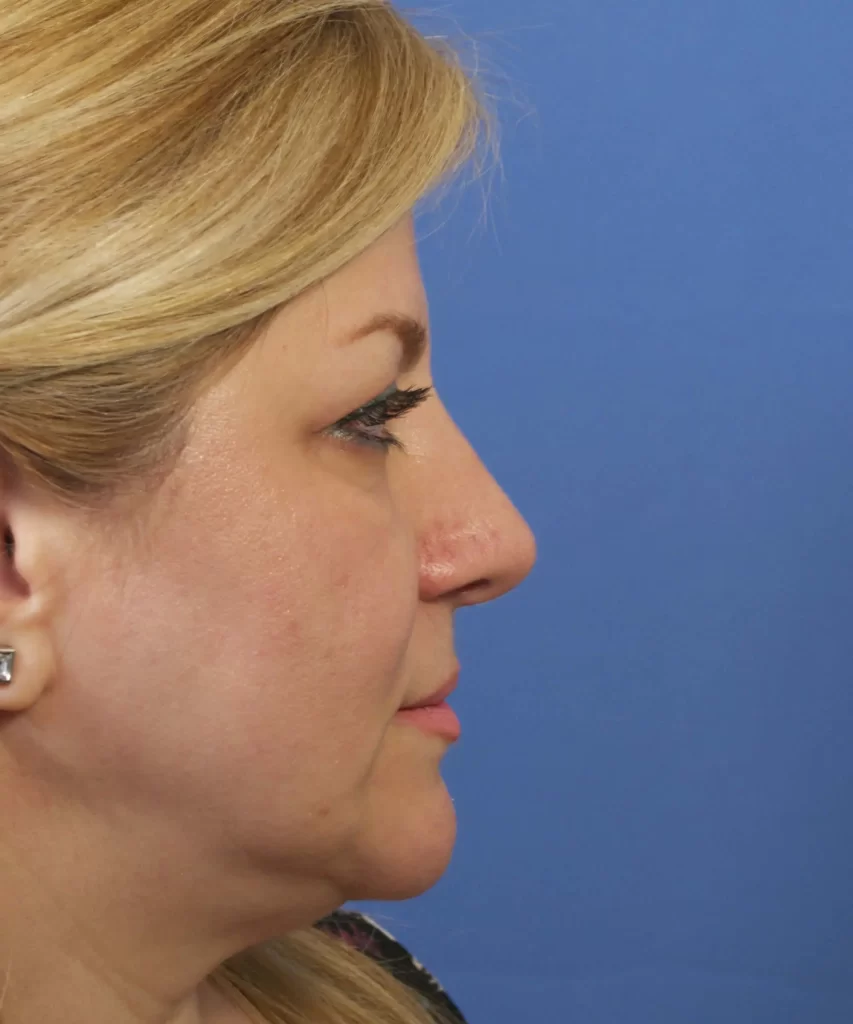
point(7, 662)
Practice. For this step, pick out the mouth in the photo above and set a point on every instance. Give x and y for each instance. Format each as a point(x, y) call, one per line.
point(434, 719)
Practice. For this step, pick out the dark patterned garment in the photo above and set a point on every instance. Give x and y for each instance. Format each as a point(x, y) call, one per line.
point(364, 933)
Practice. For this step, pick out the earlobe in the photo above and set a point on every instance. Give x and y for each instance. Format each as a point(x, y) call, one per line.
point(25, 672)
point(26, 661)
point(7, 665)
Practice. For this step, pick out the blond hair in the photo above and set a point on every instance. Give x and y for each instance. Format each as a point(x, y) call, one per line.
point(171, 173)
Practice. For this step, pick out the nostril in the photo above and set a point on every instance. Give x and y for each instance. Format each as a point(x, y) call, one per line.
point(476, 592)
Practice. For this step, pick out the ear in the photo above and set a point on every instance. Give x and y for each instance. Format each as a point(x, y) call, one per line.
point(28, 547)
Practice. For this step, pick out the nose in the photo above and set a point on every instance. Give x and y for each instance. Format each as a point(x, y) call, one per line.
point(473, 544)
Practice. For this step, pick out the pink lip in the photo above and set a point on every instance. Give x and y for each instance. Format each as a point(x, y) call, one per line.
point(438, 697)
point(438, 719)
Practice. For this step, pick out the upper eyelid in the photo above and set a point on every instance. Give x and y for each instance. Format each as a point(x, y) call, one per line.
point(383, 396)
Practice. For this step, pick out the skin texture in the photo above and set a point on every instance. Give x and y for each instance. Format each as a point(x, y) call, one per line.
point(199, 751)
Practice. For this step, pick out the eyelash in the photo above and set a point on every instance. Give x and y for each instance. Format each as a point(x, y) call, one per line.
point(388, 406)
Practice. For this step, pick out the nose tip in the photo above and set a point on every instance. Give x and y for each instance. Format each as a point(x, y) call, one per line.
point(527, 550)
point(480, 559)
point(507, 553)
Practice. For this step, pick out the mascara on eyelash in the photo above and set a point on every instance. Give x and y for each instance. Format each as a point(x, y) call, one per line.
point(378, 413)
point(396, 402)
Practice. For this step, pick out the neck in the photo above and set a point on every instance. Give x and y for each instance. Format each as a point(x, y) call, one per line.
point(125, 927)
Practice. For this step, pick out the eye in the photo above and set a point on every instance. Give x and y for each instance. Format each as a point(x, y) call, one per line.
point(366, 424)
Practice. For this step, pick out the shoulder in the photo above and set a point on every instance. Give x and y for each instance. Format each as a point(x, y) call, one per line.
point(365, 934)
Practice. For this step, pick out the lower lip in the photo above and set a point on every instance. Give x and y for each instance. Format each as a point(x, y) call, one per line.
point(439, 719)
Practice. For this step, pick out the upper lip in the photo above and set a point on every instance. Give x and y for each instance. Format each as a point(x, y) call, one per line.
point(438, 696)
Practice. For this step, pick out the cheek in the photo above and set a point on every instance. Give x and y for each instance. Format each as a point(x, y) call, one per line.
point(265, 654)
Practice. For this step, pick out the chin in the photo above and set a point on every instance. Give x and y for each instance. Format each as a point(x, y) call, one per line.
point(407, 852)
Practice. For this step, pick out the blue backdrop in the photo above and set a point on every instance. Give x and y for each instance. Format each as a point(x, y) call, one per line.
point(651, 345)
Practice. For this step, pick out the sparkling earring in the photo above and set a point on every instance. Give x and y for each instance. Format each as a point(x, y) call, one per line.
point(7, 661)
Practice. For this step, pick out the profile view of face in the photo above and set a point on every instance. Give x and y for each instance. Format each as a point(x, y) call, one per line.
point(222, 728)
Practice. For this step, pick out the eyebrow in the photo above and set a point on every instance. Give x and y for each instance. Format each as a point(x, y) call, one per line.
point(411, 334)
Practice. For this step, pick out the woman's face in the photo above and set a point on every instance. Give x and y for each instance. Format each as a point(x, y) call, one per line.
point(232, 660)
